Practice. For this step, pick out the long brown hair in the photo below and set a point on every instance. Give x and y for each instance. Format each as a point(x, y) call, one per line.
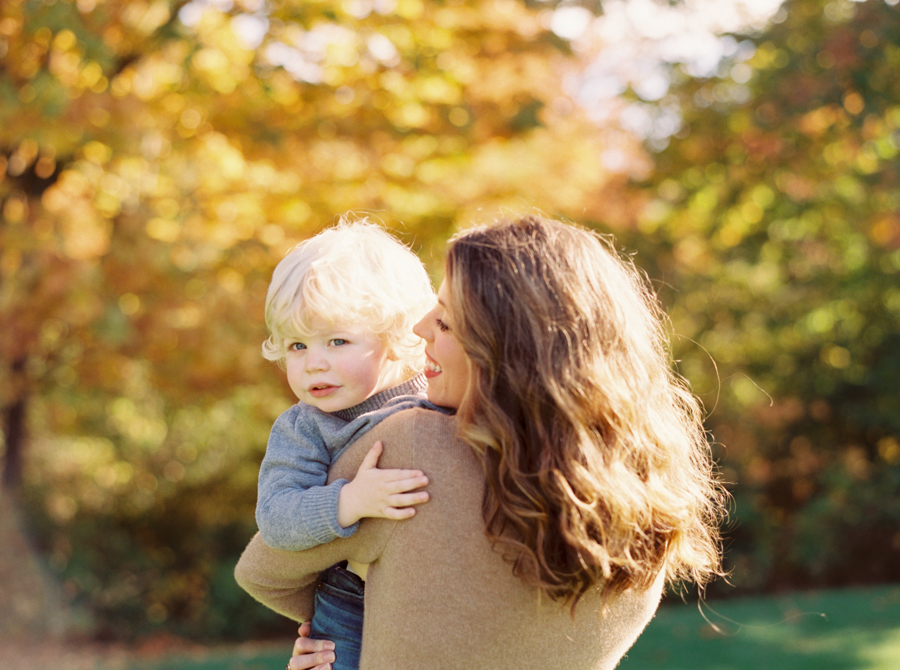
point(598, 470)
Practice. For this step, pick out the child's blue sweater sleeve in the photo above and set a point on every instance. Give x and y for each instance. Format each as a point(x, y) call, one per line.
point(295, 509)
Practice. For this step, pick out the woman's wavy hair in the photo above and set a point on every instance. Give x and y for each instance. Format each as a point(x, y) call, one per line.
point(598, 470)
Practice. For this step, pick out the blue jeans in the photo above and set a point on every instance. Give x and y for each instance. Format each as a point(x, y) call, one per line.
point(339, 615)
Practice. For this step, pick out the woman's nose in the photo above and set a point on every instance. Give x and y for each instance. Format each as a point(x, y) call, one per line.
point(420, 329)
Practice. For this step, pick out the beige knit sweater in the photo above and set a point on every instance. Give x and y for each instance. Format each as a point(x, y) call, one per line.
point(437, 595)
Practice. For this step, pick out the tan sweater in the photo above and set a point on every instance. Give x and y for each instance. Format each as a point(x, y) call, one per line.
point(437, 596)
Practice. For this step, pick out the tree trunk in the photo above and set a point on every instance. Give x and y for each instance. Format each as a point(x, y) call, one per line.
point(14, 426)
point(31, 604)
point(32, 609)
point(14, 429)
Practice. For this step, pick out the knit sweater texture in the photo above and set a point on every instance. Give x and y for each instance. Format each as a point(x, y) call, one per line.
point(438, 595)
point(295, 509)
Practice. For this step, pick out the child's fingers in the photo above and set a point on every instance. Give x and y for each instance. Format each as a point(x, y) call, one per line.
point(399, 514)
point(394, 476)
point(407, 499)
point(392, 486)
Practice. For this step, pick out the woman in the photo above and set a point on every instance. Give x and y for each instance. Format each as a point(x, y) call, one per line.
point(573, 482)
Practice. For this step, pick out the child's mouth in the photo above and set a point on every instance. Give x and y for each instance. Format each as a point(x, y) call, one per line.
point(322, 391)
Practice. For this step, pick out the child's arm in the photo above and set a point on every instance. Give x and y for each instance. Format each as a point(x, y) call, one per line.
point(295, 510)
point(285, 581)
point(386, 494)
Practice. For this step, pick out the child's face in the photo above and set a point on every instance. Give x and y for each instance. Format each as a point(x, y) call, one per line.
point(336, 368)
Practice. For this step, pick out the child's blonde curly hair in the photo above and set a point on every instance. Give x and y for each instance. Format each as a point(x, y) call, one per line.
point(354, 274)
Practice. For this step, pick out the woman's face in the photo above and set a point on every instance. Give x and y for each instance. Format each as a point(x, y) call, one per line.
point(446, 364)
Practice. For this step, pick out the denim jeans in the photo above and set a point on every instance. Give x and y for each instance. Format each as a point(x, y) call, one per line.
point(339, 615)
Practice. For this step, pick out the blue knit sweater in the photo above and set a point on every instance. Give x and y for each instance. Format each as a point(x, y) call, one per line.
point(295, 510)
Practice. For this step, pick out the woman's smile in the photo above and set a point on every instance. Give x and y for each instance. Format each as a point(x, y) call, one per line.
point(432, 369)
point(446, 363)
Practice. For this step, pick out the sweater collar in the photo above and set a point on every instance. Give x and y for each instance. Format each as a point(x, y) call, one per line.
point(414, 386)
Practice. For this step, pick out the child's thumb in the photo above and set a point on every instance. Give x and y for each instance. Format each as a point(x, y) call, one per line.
point(371, 459)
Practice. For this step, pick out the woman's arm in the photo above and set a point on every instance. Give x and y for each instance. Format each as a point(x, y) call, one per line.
point(277, 580)
point(285, 581)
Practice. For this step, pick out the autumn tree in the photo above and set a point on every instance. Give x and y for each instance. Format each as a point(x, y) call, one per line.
point(158, 159)
point(775, 217)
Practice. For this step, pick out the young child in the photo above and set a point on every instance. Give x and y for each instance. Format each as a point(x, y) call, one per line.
point(340, 311)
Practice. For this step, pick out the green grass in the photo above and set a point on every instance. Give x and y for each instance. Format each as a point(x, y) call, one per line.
point(266, 657)
point(853, 629)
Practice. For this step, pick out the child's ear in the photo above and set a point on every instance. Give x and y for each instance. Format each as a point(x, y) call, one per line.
point(392, 355)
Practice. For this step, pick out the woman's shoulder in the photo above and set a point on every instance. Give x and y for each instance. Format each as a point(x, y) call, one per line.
point(418, 421)
point(407, 437)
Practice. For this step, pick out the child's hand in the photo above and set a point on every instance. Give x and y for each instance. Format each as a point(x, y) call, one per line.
point(388, 494)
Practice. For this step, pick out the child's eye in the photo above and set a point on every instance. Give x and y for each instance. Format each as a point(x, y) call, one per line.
point(338, 341)
point(443, 327)
point(296, 346)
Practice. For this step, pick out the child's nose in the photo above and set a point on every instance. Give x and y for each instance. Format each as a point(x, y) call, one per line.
point(315, 360)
